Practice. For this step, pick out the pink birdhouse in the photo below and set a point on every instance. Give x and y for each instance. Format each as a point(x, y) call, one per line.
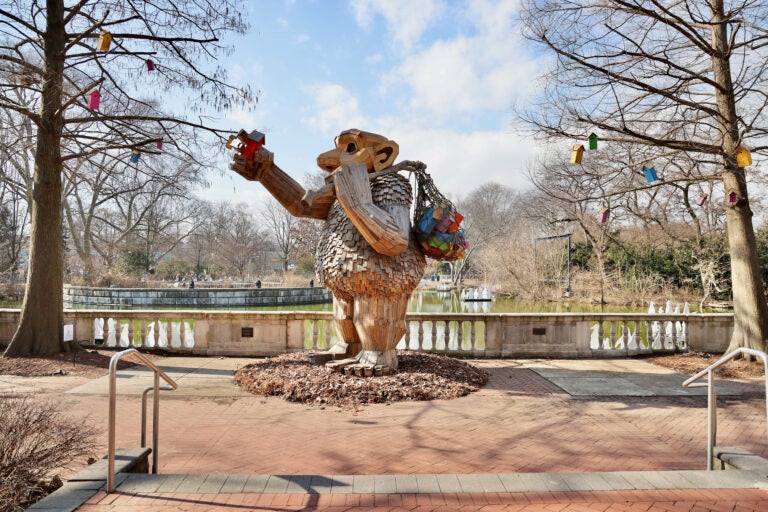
point(702, 199)
point(732, 198)
point(94, 99)
point(602, 217)
point(159, 143)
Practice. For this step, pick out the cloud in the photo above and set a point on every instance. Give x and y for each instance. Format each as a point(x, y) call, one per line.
point(334, 109)
point(406, 20)
point(482, 69)
point(461, 162)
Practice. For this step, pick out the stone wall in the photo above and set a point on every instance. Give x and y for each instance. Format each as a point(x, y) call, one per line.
point(144, 298)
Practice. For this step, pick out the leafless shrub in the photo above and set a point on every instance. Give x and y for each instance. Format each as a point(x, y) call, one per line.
point(36, 442)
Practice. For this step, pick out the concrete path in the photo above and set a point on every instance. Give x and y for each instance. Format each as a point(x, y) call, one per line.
point(542, 435)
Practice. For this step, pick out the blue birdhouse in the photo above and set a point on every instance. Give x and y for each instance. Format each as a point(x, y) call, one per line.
point(650, 174)
point(135, 155)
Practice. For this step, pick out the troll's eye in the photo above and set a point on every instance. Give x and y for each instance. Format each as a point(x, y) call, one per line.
point(351, 147)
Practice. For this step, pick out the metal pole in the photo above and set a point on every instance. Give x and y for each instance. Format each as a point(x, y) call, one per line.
point(568, 290)
point(111, 421)
point(711, 419)
point(155, 421)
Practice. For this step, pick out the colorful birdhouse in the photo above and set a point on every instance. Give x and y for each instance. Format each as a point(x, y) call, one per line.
point(602, 217)
point(702, 199)
point(250, 143)
point(650, 174)
point(159, 143)
point(743, 157)
point(94, 98)
point(150, 65)
point(135, 155)
point(732, 198)
point(105, 40)
point(577, 153)
point(592, 140)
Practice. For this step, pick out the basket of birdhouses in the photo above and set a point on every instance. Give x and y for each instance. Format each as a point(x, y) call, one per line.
point(436, 223)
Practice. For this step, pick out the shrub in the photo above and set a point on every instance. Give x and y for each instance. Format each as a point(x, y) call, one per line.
point(36, 441)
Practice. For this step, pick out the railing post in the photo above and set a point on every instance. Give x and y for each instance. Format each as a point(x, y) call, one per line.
point(711, 419)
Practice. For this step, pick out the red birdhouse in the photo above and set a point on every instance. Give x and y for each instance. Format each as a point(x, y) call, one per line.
point(93, 100)
point(602, 217)
point(250, 143)
point(732, 198)
point(159, 143)
point(150, 65)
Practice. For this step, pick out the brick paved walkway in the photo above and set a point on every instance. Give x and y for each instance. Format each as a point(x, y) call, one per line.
point(520, 422)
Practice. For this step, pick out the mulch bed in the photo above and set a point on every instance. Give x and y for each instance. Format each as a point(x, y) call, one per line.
point(87, 363)
point(691, 363)
point(419, 376)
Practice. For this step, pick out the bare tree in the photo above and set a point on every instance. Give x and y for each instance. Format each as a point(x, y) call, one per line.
point(489, 214)
point(109, 200)
point(66, 56)
point(240, 240)
point(282, 226)
point(672, 75)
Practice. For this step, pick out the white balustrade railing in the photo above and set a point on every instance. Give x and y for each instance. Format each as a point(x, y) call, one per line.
point(247, 333)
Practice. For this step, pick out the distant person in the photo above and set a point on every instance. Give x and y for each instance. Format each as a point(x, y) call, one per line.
point(192, 284)
point(258, 283)
point(311, 283)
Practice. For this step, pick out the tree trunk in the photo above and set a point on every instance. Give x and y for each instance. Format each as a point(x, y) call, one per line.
point(40, 327)
point(749, 305)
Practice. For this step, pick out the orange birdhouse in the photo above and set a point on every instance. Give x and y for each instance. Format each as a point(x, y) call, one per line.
point(743, 157)
point(577, 153)
point(105, 40)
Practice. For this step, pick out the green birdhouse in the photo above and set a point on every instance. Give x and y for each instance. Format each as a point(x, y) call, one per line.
point(592, 139)
point(577, 153)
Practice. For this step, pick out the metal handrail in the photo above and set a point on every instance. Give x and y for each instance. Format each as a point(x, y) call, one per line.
point(155, 410)
point(712, 398)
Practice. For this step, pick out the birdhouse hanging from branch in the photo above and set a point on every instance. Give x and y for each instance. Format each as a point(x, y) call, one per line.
point(104, 41)
point(577, 153)
point(94, 98)
point(592, 141)
point(150, 65)
point(135, 155)
point(743, 156)
point(602, 217)
point(650, 174)
point(701, 199)
point(160, 143)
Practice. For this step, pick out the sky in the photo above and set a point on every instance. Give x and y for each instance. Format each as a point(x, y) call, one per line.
point(438, 77)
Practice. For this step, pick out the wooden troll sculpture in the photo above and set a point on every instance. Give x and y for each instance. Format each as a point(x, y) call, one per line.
point(367, 255)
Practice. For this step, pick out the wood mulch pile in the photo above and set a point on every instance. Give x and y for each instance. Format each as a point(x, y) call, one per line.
point(419, 376)
point(691, 363)
point(86, 363)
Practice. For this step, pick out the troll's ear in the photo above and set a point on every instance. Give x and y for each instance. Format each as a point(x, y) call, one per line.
point(385, 154)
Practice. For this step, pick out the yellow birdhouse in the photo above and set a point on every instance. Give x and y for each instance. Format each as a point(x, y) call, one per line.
point(105, 39)
point(743, 157)
point(577, 153)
